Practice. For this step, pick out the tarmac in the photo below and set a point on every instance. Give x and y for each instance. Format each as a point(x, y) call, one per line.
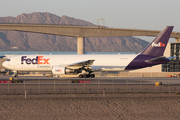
point(51, 85)
point(122, 80)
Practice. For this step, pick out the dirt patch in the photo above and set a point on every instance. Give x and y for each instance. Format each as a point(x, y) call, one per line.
point(122, 106)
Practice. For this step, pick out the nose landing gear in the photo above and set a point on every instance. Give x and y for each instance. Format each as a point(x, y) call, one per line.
point(16, 74)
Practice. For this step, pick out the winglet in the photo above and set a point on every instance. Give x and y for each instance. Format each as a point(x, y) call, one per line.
point(158, 45)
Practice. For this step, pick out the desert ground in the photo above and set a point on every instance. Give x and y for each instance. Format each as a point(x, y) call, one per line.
point(162, 106)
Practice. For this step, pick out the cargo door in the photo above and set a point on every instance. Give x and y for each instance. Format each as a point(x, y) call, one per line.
point(18, 65)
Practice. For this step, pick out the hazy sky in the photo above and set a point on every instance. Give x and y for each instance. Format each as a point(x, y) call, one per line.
point(134, 14)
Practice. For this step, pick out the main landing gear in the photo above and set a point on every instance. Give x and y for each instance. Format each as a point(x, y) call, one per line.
point(86, 75)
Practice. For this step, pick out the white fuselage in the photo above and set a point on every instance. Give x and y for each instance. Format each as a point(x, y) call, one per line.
point(46, 62)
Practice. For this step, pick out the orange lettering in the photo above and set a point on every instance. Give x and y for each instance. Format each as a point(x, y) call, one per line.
point(39, 59)
point(46, 61)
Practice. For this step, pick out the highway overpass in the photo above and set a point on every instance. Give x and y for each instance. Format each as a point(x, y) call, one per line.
point(81, 32)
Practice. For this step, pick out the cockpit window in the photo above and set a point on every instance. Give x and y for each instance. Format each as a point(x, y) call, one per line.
point(8, 59)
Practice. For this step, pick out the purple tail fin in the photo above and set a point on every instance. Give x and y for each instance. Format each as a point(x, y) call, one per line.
point(158, 45)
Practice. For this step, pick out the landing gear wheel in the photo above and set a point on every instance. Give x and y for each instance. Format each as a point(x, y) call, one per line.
point(85, 75)
point(81, 76)
point(88, 76)
point(92, 75)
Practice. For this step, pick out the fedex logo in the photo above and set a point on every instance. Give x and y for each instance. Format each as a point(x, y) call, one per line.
point(37, 60)
point(58, 70)
point(160, 44)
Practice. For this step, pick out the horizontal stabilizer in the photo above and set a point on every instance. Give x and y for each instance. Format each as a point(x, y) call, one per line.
point(158, 59)
point(171, 57)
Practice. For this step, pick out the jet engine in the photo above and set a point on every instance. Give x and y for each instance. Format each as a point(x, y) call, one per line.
point(61, 70)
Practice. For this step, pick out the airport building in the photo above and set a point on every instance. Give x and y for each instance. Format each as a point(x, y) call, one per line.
point(174, 64)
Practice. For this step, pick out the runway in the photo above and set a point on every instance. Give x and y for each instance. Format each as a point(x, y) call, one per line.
point(115, 80)
point(49, 85)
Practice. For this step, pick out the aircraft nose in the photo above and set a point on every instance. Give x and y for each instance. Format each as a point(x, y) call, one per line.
point(4, 64)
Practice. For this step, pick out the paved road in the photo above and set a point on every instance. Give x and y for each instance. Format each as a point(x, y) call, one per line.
point(122, 80)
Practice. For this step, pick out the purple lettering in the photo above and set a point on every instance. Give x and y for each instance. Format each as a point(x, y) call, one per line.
point(34, 61)
point(23, 59)
point(37, 60)
point(28, 61)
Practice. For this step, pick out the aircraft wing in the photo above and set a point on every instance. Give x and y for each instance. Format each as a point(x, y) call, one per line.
point(81, 64)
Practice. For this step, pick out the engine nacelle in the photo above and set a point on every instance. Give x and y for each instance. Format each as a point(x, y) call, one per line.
point(61, 70)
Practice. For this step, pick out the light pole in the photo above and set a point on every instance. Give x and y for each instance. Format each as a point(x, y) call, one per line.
point(103, 22)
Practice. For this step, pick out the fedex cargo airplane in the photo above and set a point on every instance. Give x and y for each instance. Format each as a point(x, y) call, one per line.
point(84, 65)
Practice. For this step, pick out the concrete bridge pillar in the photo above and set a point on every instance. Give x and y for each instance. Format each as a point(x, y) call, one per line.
point(177, 40)
point(80, 45)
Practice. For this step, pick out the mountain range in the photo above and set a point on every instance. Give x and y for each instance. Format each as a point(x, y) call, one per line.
point(25, 41)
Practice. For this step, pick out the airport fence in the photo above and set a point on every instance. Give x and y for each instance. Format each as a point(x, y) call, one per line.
point(138, 74)
point(86, 87)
